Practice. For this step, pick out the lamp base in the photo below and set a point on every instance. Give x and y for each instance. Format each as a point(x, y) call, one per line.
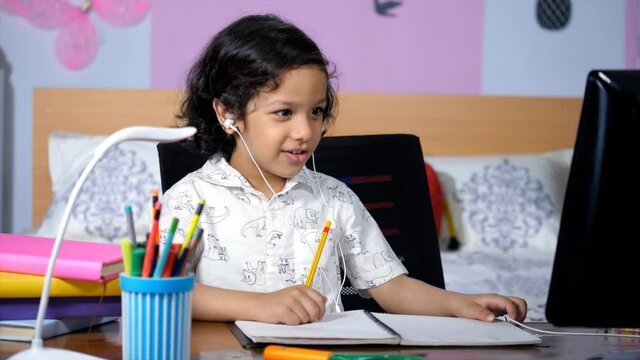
point(51, 353)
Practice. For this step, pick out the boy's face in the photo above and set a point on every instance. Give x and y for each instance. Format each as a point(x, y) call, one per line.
point(282, 127)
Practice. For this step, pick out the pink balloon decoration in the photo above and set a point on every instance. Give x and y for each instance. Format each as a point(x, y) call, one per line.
point(77, 39)
point(77, 43)
point(50, 14)
point(16, 7)
point(121, 12)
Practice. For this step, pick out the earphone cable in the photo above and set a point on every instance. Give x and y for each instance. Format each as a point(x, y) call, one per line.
point(341, 253)
point(257, 167)
point(509, 319)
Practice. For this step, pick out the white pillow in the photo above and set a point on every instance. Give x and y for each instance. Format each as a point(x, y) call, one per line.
point(505, 202)
point(126, 174)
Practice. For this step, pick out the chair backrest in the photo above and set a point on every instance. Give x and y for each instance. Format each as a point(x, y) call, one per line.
point(176, 161)
point(387, 173)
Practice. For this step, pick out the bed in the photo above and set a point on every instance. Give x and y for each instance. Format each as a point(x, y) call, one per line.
point(501, 164)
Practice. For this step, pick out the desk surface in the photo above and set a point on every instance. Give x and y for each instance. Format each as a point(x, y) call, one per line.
point(215, 341)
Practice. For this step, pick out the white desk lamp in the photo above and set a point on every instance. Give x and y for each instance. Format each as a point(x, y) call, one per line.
point(147, 133)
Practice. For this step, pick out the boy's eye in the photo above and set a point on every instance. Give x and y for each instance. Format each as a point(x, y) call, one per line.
point(284, 112)
point(317, 111)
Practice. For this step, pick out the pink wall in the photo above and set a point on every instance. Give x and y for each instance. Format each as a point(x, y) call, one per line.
point(430, 46)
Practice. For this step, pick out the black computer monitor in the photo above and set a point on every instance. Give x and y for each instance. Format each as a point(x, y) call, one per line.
point(596, 270)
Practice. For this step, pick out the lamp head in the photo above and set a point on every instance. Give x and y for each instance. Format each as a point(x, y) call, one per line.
point(145, 133)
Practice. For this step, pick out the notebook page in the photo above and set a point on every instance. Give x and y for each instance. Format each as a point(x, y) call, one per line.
point(450, 331)
point(348, 327)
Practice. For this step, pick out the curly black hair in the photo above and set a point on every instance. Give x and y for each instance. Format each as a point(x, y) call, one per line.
point(245, 57)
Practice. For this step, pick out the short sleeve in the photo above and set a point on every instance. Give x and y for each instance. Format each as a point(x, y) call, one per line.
point(369, 258)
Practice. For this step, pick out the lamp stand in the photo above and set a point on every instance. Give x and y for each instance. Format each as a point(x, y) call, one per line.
point(147, 133)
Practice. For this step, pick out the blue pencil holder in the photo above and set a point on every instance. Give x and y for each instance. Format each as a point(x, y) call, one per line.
point(156, 317)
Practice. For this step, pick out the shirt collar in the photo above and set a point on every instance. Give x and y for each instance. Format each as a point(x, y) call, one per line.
point(217, 170)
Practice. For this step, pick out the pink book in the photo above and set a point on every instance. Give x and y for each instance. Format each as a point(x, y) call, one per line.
point(77, 260)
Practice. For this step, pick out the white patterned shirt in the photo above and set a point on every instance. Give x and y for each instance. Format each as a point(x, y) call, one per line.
point(252, 243)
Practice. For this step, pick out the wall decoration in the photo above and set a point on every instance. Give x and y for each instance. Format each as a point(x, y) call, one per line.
point(77, 38)
point(383, 7)
point(553, 14)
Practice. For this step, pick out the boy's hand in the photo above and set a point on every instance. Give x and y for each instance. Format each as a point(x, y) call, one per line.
point(486, 307)
point(292, 306)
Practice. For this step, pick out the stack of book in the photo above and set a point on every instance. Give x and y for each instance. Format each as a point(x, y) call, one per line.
point(85, 289)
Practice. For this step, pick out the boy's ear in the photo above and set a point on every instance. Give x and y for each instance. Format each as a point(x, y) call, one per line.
point(222, 113)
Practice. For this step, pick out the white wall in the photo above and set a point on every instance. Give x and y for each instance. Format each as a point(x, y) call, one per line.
point(122, 62)
point(521, 58)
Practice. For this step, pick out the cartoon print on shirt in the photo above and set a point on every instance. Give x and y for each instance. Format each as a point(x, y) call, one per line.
point(215, 251)
point(365, 215)
point(256, 227)
point(254, 275)
point(310, 237)
point(336, 232)
point(355, 245)
point(243, 181)
point(337, 193)
point(303, 277)
point(273, 236)
point(305, 218)
point(217, 175)
point(318, 278)
point(305, 179)
point(241, 196)
point(182, 204)
point(338, 268)
point(380, 259)
point(209, 216)
point(287, 268)
point(286, 199)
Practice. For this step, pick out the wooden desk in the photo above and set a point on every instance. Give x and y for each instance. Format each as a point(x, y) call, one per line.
point(214, 341)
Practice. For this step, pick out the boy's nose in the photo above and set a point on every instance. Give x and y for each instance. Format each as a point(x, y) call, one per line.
point(301, 128)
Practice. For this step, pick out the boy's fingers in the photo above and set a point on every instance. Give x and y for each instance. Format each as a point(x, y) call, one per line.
point(520, 311)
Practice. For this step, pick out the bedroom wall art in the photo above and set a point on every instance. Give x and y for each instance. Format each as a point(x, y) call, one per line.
point(77, 40)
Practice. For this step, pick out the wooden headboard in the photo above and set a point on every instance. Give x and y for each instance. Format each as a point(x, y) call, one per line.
point(446, 124)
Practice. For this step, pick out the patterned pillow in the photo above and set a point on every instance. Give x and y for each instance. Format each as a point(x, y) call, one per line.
point(505, 203)
point(126, 174)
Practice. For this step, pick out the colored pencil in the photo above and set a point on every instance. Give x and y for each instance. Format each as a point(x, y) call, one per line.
point(150, 253)
point(192, 227)
point(165, 249)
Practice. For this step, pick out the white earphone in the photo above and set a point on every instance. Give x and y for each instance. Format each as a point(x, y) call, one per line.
point(229, 123)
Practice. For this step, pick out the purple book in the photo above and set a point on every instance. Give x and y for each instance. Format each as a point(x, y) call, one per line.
point(60, 307)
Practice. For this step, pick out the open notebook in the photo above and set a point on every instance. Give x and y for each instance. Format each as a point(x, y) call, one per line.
point(362, 327)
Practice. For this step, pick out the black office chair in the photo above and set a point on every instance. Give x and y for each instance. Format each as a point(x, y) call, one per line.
point(387, 173)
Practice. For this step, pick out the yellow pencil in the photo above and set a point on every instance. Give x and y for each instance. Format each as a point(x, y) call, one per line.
point(192, 227)
point(316, 258)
